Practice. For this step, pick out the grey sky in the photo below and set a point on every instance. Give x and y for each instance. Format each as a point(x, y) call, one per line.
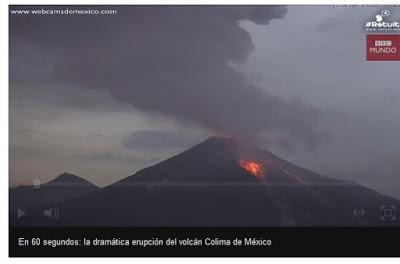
point(310, 63)
point(318, 55)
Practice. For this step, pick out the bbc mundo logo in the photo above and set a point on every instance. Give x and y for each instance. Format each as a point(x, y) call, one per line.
point(383, 46)
point(382, 23)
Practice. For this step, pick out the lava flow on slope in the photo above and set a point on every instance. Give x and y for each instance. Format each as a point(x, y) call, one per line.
point(254, 168)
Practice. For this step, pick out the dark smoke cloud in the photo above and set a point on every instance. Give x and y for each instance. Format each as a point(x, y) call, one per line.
point(155, 140)
point(173, 59)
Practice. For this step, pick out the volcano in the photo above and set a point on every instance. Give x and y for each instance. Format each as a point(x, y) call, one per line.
point(221, 182)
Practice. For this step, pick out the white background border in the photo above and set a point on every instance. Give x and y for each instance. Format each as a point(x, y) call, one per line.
point(4, 141)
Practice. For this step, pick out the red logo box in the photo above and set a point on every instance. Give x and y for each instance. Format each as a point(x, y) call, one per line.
point(383, 47)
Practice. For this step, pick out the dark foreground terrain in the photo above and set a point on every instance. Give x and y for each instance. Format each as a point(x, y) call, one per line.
point(206, 186)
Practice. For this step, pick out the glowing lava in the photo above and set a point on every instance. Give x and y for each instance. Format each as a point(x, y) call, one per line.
point(255, 168)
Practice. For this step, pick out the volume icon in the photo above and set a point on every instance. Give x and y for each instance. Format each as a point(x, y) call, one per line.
point(53, 212)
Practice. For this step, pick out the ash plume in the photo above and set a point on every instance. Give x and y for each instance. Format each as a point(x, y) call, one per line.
point(173, 60)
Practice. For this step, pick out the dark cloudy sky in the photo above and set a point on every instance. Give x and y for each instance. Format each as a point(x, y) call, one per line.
point(104, 96)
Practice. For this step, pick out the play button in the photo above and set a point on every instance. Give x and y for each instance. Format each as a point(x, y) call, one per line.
point(20, 213)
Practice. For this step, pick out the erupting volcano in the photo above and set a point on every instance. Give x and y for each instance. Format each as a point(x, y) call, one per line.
point(219, 182)
point(255, 168)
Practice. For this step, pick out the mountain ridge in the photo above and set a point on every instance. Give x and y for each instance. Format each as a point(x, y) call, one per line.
point(218, 190)
point(63, 187)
